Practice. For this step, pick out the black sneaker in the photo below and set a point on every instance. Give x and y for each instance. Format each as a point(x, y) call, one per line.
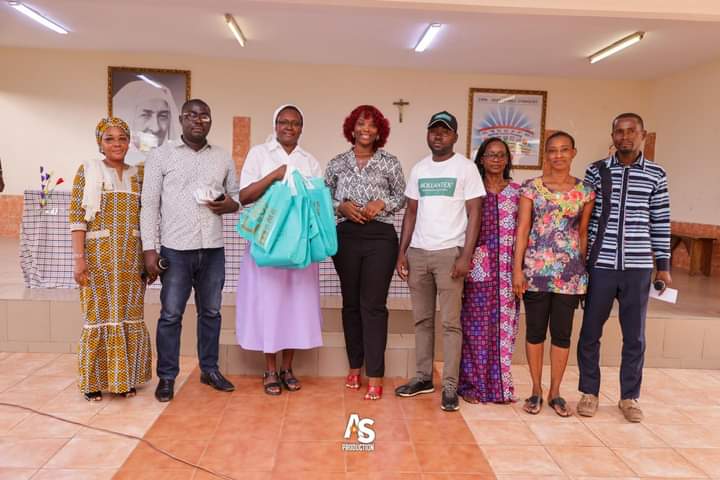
point(415, 387)
point(450, 400)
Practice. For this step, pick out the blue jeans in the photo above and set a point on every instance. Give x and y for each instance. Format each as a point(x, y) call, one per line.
point(203, 270)
point(631, 289)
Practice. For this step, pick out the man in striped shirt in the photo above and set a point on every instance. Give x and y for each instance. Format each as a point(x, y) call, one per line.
point(629, 228)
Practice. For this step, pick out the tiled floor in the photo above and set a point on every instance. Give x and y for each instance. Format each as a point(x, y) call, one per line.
point(37, 447)
point(248, 435)
point(299, 435)
point(678, 439)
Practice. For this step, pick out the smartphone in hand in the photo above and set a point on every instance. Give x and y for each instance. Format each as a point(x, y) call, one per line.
point(220, 198)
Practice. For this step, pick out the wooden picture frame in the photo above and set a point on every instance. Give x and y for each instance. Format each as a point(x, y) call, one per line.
point(516, 116)
point(149, 100)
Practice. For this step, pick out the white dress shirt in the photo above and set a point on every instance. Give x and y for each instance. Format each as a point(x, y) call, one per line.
point(173, 172)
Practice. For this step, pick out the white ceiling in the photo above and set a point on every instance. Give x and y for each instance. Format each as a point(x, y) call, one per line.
point(292, 31)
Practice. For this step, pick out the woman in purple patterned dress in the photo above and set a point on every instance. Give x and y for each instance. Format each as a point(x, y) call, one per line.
point(490, 310)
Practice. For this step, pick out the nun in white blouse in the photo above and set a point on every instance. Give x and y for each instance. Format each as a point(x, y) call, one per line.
point(278, 309)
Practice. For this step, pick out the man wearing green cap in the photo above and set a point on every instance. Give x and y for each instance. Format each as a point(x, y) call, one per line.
point(442, 220)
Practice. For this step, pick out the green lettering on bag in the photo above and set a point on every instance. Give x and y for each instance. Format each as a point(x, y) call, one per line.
point(264, 233)
point(437, 187)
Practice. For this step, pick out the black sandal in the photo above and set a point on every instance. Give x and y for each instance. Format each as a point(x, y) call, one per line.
point(562, 409)
point(93, 396)
point(130, 393)
point(289, 381)
point(533, 405)
point(271, 388)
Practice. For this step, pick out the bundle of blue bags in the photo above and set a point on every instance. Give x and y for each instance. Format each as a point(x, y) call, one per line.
point(292, 224)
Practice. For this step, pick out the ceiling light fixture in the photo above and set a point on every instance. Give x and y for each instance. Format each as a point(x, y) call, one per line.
point(233, 26)
point(621, 44)
point(427, 37)
point(150, 81)
point(46, 22)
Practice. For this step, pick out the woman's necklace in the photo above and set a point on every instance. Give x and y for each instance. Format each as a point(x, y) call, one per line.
point(559, 186)
point(362, 159)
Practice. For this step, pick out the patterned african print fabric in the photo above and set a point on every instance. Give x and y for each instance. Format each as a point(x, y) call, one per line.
point(114, 353)
point(490, 311)
point(382, 178)
point(553, 260)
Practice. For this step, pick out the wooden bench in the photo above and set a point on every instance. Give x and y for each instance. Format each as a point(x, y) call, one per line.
point(700, 251)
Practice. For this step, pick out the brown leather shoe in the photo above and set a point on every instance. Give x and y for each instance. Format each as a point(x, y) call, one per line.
point(588, 405)
point(631, 410)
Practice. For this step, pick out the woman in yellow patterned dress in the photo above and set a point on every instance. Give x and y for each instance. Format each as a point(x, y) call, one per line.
point(114, 352)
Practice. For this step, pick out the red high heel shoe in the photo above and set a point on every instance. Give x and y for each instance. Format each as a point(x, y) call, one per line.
point(374, 392)
point(352, 382)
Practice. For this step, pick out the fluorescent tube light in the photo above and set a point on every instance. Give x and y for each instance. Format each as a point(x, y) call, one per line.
point(233, 26)
point(621, 44)
point(44, 21)
point(427, 37)
point(150, 81)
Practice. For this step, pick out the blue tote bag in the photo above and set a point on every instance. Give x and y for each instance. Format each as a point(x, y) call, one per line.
point(318, 251)
point(262, 222)
point(290, 248)
point(323, 213)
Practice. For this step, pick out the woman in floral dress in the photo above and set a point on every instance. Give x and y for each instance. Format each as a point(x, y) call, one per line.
point(490, 310)
point(549, 265)
point(114, 352)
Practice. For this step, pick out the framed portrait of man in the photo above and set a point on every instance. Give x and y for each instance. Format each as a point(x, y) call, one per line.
point(515, 116)
point(149, 100)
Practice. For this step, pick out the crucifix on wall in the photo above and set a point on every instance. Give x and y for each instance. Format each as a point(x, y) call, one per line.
point(400, 104)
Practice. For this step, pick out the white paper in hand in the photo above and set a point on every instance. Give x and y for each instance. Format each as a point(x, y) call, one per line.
point(207, 194)
point(669, 295)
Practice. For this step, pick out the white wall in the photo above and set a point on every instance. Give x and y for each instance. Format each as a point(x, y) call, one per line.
point(686, 110)
point(50, 101)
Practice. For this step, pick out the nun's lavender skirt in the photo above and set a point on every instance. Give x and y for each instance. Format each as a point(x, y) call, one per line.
point(278, 308)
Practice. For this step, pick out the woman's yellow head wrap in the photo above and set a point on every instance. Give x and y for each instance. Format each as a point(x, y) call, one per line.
point(106, 123)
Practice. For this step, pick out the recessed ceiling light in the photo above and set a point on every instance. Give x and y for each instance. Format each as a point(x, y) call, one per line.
point(621, 44)
point(44, 21)
point(235, 29)
point(427, 37)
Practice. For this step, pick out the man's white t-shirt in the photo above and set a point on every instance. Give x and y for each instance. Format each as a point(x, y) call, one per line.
point(441, 189)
